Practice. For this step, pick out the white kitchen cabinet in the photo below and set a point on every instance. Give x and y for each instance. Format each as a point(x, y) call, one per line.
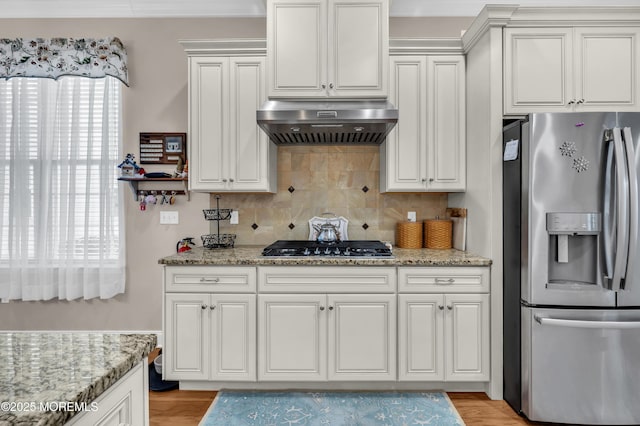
point(292, 337)
point(571, 69)
point(362, 337)
point(210, 337)
point(209, 323)
point(443, 336)
point(348, 337)
point(426, 150)
point(227, 149)
point(126, 402)
point(334, 48)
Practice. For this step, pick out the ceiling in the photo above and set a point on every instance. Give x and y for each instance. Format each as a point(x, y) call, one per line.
point(245, 8)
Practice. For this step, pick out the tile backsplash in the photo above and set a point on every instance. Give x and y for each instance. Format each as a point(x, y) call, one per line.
point(312, 180)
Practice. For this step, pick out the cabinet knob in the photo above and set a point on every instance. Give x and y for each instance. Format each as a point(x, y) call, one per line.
point(331, 308)
point(322, 308)
point(231, 180)
point(424, 179)
point(224, 180)
point(571, 102)
point(324, 86)
point(440, 307)
point(331, 86)
point(431, 179)
point(212, 307)
point(449, 307)
point(581, 101)
point(203, 307)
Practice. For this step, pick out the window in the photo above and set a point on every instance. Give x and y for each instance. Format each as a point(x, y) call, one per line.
point(61, 224)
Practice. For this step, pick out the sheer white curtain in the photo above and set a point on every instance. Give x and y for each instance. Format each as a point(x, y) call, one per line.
point(61, 223)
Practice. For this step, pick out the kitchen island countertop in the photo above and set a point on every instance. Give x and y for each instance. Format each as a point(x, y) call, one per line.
point(252, 255)
point(50, 369)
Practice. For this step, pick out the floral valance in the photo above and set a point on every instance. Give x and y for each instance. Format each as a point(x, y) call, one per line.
point(56, 57)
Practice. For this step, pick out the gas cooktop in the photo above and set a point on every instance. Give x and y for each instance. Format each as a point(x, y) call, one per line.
point(348, 248)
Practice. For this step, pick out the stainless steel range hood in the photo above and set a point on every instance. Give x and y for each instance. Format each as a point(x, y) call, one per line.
point(327, 123)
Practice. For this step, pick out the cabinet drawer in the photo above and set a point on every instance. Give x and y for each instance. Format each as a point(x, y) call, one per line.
point(210, 279)
point(443, 280)
point(327, 279)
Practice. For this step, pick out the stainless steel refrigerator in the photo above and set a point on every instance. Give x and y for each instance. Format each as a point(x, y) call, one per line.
point(572, 267)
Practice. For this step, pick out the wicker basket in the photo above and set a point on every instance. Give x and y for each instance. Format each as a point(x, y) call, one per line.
point(409, 235)
point(438, 233)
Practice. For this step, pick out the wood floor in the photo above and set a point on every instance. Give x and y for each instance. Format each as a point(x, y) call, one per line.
point(184, 408)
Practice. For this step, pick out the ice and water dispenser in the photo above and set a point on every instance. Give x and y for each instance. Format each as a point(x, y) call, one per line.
point(573, 248)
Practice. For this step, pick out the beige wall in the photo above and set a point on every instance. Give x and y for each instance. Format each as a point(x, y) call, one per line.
point(157, 102)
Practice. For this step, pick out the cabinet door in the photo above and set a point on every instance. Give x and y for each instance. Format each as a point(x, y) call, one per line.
point(362, 337)
point(250, 152)
point(607, 64)
point(208, 123)
point(403, 156)
point(233, 337)
point(466, 328)
point(421, 337)
point(186, 350)
point(358, 48)
point(446, 124)
point(292, 337)
point(538, 73)
point(297, 48)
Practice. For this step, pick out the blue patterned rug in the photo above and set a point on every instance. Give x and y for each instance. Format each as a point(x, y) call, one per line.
point(231, 408)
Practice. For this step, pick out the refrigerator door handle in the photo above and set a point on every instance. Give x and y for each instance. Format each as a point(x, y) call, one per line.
point(633, 200)
point(608, 214)
point(581, 323)
point(622, 196)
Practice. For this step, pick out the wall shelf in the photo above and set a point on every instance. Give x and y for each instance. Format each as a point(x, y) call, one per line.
point(135, 182)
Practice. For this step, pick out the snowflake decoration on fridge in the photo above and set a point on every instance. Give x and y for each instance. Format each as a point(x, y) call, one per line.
point(568, 149)
point(580, 164)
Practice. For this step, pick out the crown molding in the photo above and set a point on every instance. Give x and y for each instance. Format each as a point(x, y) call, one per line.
point(490, 16)
point(225, 47)
point(424, 46)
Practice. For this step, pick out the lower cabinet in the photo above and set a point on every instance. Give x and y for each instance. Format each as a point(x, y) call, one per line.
point(210, 337)
point(326, 324)
point(443, 337)
point(126, 402)
point(319, 337)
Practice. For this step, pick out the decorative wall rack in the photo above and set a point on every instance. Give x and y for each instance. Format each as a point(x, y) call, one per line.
point(135, 182)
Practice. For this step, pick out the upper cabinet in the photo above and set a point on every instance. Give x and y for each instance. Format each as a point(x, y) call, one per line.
point(327, 48)
point(227, 150)
point(571, 69)
point(426, 149)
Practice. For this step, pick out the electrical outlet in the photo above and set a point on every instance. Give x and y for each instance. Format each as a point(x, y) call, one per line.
point(234, 218)
point(169, 218)
point(411, 216)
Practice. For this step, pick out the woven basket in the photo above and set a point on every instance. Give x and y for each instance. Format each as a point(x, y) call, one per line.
point(438, 233)
point(409, 235)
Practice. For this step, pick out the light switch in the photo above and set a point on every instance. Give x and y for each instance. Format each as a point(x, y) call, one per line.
point(169, 218)
point(234, 218)
point(411, 216)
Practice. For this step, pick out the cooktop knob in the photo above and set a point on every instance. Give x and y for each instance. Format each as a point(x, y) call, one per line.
point(316, 251)
point(306, 251)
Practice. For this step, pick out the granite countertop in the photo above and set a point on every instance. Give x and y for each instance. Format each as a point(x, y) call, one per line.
point(54, 368)
point(252, 255)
